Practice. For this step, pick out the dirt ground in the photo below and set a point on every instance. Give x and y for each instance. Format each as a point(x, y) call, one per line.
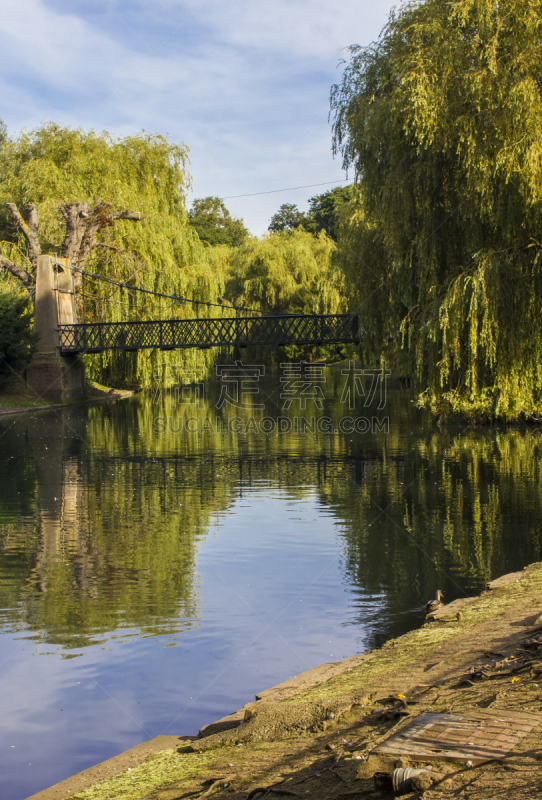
point(314, 737)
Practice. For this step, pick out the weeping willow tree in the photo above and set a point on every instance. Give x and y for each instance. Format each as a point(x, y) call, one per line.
point(441, 119)
point(53, 174)
point(288, 272)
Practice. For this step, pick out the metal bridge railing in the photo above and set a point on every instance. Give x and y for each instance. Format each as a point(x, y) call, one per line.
point(203, 333)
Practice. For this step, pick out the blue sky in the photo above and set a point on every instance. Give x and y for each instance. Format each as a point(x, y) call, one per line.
point(244, 84)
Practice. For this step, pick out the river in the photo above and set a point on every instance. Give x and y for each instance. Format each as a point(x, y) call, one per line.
point(165, 557)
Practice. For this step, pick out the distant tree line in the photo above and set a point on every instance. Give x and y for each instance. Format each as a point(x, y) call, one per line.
point(214, 224)
point(324, 213)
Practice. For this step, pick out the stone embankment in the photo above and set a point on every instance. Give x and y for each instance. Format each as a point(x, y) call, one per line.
point(315, 736)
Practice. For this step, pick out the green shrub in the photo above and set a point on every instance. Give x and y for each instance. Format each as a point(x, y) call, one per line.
point(17, 339)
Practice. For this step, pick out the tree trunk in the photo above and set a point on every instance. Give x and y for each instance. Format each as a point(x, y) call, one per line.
point(82, 227)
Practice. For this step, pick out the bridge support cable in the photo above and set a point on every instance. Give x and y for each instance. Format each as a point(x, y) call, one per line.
point(119, 284)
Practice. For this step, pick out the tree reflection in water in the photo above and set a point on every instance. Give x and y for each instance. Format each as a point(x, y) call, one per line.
point(103, 509)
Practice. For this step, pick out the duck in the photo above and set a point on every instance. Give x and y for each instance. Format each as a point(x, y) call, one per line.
point(432, 605)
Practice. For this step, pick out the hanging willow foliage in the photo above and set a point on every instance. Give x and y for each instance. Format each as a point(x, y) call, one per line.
point(52, 166)
point(442, 121)
point(290, 272)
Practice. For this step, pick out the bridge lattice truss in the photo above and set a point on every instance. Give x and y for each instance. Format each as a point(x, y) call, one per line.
point(204, 333)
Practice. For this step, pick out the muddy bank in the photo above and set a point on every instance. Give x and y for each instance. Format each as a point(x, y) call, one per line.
point(315, 735)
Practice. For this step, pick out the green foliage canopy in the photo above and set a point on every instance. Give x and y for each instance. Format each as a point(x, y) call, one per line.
point(323, 215)
point(325, 210)
point(287, 218)
point(164, 252)
point(442, 121)
point(214, 224)
point(146, 172)
point(289, 272)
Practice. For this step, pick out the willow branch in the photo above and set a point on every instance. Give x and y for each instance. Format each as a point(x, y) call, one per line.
point(100, 217)
point(29, 229)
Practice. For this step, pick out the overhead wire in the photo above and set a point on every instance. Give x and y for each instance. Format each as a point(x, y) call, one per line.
point(290, 189)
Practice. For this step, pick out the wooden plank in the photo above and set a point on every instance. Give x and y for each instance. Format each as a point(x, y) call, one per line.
point(475, 736)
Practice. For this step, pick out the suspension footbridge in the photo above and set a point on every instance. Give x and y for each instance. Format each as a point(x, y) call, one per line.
point(56, 369)
point(172, 334)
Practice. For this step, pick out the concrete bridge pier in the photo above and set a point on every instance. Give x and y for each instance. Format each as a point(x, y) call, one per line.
point(50, 374)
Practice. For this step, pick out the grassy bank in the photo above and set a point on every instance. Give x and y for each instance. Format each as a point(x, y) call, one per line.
point(315, 734)
point(20, 398)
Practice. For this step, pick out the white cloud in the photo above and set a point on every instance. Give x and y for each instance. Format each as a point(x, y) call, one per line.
point(245, 85)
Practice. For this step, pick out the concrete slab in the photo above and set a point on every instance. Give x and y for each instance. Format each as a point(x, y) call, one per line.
point(312, 677)
point(475, 737)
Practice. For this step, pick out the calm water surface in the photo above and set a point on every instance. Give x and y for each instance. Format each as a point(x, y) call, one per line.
point(162, 560)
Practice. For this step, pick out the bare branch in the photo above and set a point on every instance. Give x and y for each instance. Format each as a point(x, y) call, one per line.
point(88, 243)
point(133, 215)
point(108, 246)
point(82, 227)
point(99, 218)
point(17, 272)
point(29, 229)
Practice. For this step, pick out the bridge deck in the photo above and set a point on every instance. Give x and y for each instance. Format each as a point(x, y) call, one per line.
point(204, 333)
